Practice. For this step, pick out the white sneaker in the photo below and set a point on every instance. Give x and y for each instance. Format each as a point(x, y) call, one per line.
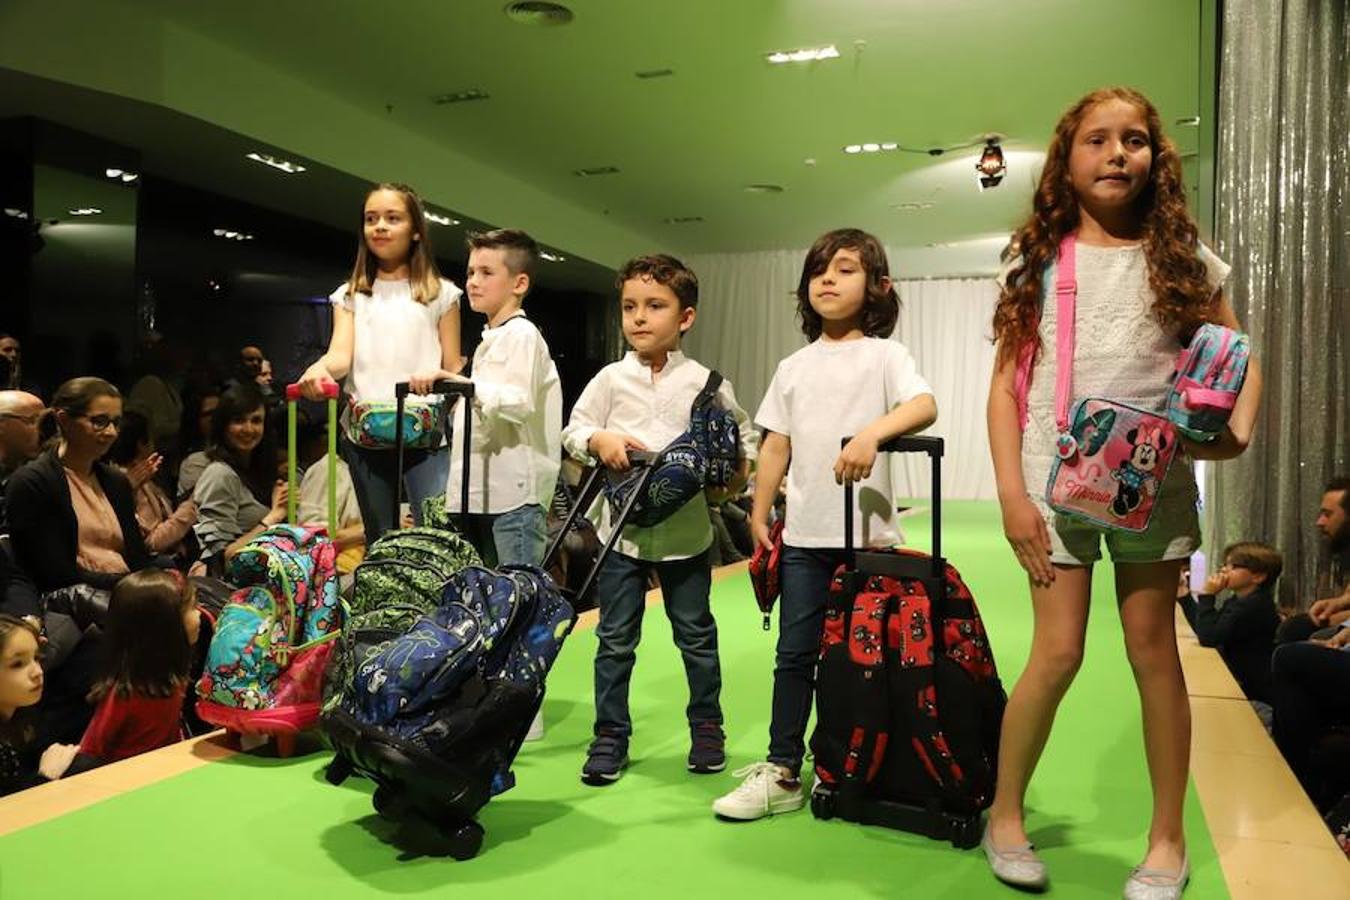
point(768, 789)
point(536, 732)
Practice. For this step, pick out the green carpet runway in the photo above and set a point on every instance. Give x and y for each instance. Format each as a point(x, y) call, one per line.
point(255, 826)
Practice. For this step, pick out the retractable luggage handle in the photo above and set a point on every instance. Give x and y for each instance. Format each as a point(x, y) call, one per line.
point(871, 563)
point(330, 393)
point(590, 489)
point(445, 388)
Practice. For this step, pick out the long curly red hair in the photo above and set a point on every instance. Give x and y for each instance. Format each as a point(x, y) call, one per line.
point(1183, 299)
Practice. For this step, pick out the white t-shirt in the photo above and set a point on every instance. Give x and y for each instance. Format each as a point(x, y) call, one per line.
point(822, 393)
point(395, 336)
point(1121, 352)
point(517, 423)
point(625, 397)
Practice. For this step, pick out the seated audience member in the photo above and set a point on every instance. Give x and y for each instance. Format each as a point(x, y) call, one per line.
point(1310, 683)
point(163, 526)
point(73, 517)
point(153, 626)
point(1333, 609)
point(238, 494)
point(1242, 627)
point(154, 394)
point(19, 415)
point(23, 761)
point(312, 506)
point(11, 372)
point(194, 438)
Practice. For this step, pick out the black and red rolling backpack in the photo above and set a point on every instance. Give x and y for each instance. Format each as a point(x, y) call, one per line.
point(908, 700)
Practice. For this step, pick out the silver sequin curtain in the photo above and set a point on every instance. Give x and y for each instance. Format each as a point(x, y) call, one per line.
point(1283, 183)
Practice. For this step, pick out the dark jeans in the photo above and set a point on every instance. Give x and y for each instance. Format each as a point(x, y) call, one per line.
point(622, 589)
point(805, 576)
point(425, 473)
point(1311, 687)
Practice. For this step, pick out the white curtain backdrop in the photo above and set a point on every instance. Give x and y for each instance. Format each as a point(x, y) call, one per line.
point(747, 323)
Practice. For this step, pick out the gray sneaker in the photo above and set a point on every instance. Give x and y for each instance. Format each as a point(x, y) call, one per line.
point(1018, 866)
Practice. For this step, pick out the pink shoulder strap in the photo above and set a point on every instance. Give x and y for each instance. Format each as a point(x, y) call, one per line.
point(1066, 291)
point(1066, 295)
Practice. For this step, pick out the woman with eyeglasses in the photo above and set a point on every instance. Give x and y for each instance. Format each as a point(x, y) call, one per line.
point(238, 494)
point(72, 516)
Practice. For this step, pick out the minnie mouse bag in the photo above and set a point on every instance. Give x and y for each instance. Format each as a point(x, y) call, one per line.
point(1112, 457)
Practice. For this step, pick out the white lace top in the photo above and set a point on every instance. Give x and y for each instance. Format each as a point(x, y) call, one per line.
point(1121, 353)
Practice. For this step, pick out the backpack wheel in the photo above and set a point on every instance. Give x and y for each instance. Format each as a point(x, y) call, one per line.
point(284, 741)
point(466, 839)
point(822, 804)
point(965, 832)
point(337, 771)
point(388, 803)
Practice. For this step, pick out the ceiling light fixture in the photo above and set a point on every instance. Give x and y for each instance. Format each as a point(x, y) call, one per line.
point(552, 257)
point(281, 165)
point(86, 211)
point(872, 147)
point(535, 12)
point(440, 219)
point(804, 54)
point(16, 213)
point(231, 234)
point(460, 96)
point(992, 167)
point(123, 175)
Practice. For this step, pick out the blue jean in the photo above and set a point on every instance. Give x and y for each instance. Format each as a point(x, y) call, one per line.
point(621, 591)
point(805, 575)
point(425, 473)
point(518, 537)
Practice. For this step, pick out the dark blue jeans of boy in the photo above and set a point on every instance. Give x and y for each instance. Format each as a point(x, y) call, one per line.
point(621, 591)
point(805, 575)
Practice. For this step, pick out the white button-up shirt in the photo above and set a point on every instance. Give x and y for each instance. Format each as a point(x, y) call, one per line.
point(517, 415)
point(627, 397)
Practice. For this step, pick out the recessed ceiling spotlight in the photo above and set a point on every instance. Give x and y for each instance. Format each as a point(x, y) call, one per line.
point(853, 148)
point(86, 211)
point(231, 235)
point(871, 148)
point(460, 96)
point(16, 213)
point(440, 219)
point(535, 12)
point(764, 189)
point(113, 173)
point(597, 170)
point(123, 175)
point(552, 257)
point(890, 145)
point(281, 165)
point(682, 220)
point(804, 54)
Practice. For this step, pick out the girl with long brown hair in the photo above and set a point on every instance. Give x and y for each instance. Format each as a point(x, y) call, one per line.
point(1145, 283)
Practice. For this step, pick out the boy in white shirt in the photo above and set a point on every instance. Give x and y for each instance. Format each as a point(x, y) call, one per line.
point(643, 402)
point(517, 409)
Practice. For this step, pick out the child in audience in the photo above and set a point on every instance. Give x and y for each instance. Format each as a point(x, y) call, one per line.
point(153, 624)
point(1243, 626)
point(395, 319)
point(517, 409)
point(20, 688)
point(644, 402)
point(854, 381)
point(1145, 283)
